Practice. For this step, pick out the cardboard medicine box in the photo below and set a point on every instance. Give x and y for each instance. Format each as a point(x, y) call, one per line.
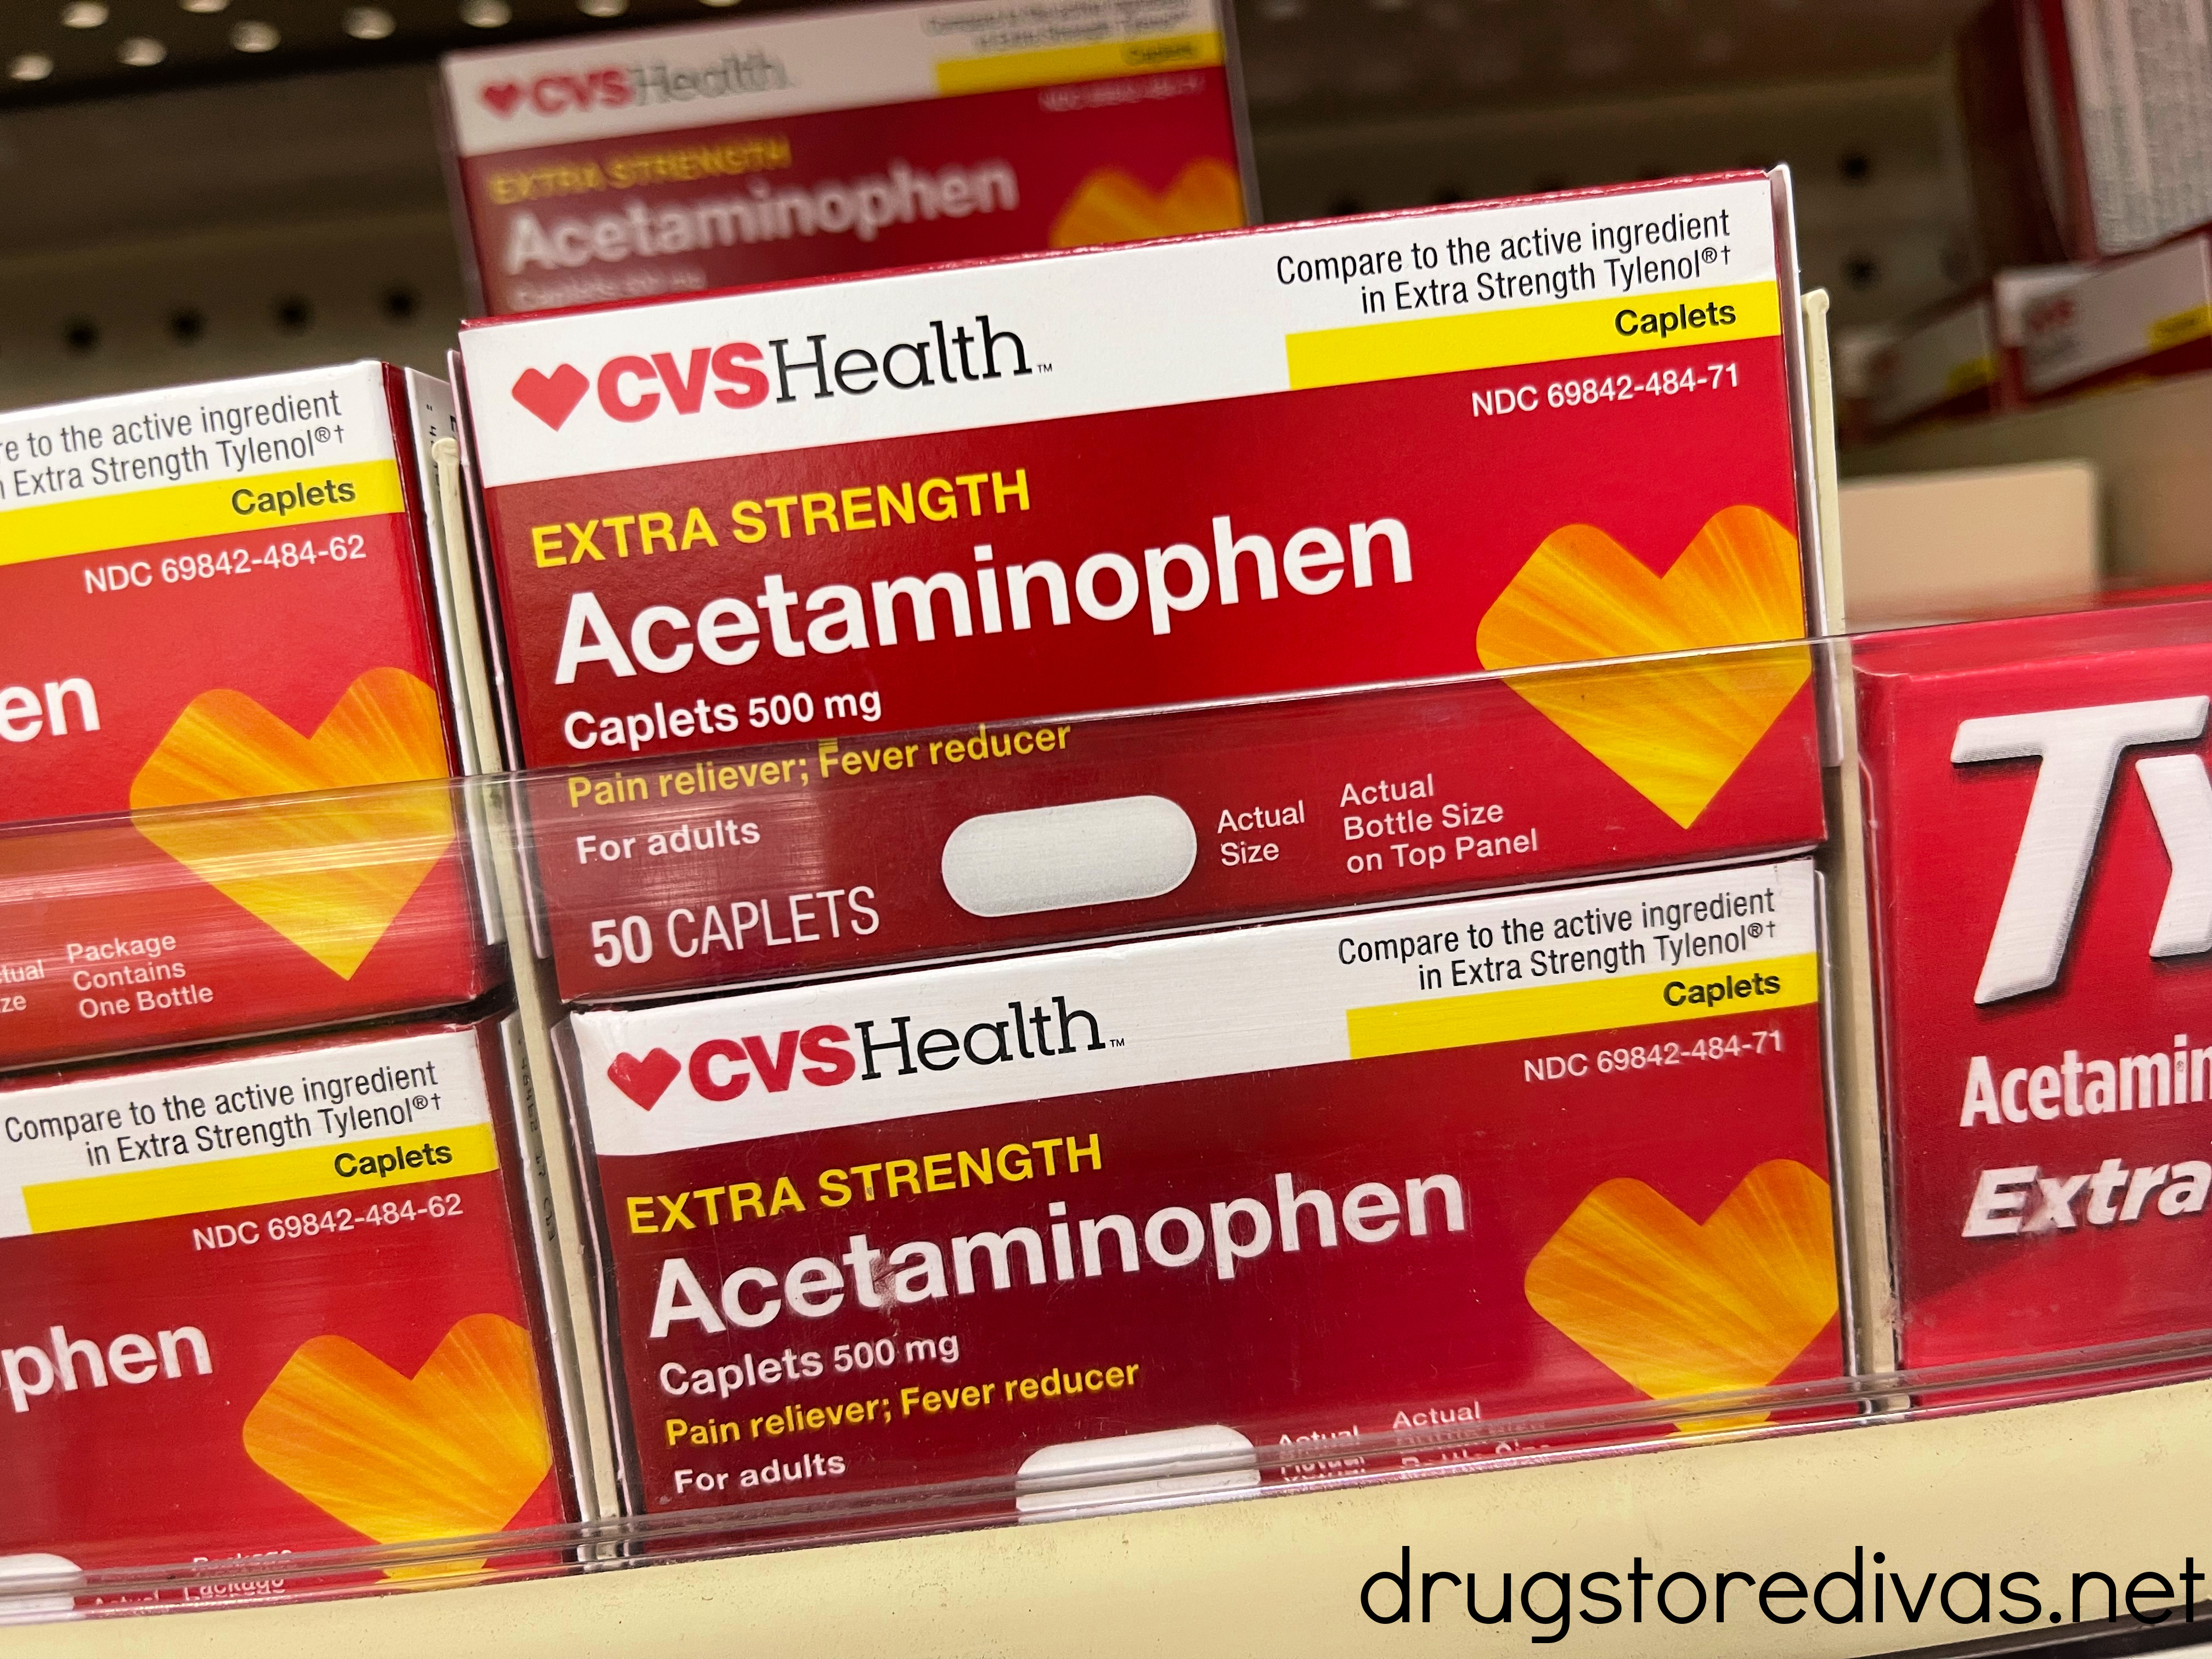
point(760, 149)
point(221, 594)
point(1217, 1212)
point(270, 1301)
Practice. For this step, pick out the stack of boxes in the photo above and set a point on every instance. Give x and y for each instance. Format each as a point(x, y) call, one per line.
point(289, 1277)
point(1589, 1124)
point(1153, 872)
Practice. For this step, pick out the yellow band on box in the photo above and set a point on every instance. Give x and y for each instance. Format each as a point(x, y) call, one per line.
point(263, 1178)
point(1970, 376)
point(1059, 65)
point(2181, 328)
point(1600, 1005)
point(1525, 334)
point(187, 512)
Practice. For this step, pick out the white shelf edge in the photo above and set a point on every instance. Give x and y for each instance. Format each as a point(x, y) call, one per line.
point(2079, 1486)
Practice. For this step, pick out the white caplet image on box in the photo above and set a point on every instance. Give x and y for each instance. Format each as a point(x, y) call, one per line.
point(17, 1608)
point(1134, 1472)
point(1056, 858)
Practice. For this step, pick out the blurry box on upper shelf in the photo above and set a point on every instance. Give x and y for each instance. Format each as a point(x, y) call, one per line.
point(211, 594)
point(1962, 358)
point(1402, 453)
point(2038, 816)
point(2088, 126)
point(2145, 317)
point(806, 145)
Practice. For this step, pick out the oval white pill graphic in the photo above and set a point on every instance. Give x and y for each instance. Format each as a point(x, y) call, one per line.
point(17, 1607)
point(1056, 857)
point(1134, 1472)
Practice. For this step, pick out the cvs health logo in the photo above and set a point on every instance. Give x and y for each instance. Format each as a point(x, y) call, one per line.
point(723, 1068)
point(560, 94)
point(736, 375)
point(2081, 750)
point(631, 388)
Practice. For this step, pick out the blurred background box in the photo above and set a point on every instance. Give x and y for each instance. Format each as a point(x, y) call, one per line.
point(2088, 125)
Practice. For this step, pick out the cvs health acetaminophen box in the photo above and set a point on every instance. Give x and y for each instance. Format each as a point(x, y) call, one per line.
point(807, 144)
point(792, 861)
point(269, 1301)
point(212, 594)
point(1201, 1213)
point(2038, 817)
point(1500, 437)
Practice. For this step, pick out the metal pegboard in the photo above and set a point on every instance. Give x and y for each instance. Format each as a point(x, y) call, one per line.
point(241, 300)
point(224, 230)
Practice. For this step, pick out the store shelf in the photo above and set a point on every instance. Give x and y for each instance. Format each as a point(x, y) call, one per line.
point(2083, 1485)
point(223, 210)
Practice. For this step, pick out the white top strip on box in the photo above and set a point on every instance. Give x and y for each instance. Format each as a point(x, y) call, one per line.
point(1947, 355)
point(193, 435)
point(767, 68)
point(1216, 1005)
point(175, 1117)
point(1141, 326)
point(2129, 309)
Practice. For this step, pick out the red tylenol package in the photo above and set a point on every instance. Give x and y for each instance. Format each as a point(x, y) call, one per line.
point(936, 499)
point(283, 1288)
point(2038, 821)
point(799, 145)
point(1195, 1213)
point(211, 593)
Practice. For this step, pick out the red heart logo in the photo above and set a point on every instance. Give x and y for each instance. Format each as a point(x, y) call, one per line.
point(644, 1080)
point(551, 397)
point(503, 95)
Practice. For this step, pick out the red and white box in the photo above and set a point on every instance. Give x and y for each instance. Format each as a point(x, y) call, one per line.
point(800, 145)
point(1037, 1223)
point(218, 593)
point(2138, 318)
point(936, 499)
point(286, 1288)
point(732, 518)
point(2088, 125)
point(2039, 820)
point(1944, 365)
point(1963, 358)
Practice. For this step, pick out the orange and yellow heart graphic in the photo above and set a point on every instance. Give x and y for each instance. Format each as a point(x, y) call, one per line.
point(1674, 1308)
point(455, 1450)
point(1110, 206)
point(330, 875)
point(1675, 731)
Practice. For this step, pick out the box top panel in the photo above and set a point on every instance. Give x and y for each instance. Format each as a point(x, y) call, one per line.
point(950, 349)
point(1299, 993)
point(756, 69)
point(186, 435)
point(1974, 647)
